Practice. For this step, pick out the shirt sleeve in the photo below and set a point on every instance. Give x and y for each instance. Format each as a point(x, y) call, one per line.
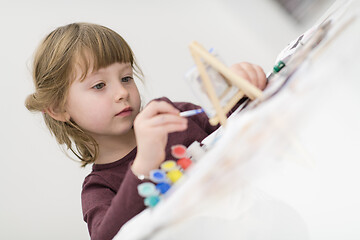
point(105, 211)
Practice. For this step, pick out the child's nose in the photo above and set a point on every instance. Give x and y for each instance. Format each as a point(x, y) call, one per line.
point(120, 92)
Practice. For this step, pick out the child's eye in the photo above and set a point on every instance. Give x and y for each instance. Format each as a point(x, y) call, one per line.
point(126, 79)
point(99, 86)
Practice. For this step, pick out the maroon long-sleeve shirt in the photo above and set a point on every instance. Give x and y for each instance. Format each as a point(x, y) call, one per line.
point(109, 195)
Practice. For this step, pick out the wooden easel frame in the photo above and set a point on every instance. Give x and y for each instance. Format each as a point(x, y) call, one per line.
point(202, 56)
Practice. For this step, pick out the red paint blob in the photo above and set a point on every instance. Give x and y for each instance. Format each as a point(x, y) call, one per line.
point(178, 151)
point(184, 163)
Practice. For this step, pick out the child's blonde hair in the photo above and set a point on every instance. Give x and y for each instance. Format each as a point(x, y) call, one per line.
point(54, 72)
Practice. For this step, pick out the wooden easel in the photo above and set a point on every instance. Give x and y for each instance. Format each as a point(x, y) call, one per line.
point(202, 56)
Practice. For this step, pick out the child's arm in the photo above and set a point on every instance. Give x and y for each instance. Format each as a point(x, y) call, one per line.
point(106, 207)
point(152, 127)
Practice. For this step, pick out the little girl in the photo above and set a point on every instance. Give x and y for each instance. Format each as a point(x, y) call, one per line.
point(84, 86)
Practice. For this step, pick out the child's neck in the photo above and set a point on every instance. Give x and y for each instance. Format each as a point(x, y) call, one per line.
point(115, 148)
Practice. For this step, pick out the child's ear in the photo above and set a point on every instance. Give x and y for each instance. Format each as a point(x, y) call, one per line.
point(58, 115)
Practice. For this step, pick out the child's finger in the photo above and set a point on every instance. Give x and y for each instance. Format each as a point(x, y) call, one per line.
point(164, 118)
point(238, 69)
point(261, 76)
point(172, 127)
point(250, 70)
point(158, 107)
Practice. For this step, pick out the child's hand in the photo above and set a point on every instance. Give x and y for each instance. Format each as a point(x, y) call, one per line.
point(251, 72)
point(152, 127)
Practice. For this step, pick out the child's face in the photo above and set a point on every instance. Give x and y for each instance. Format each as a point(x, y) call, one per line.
point(106, 102)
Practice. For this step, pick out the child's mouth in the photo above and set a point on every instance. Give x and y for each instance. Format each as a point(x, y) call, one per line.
point(125, 112)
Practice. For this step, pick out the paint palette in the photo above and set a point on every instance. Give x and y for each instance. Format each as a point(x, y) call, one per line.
point(162, 179)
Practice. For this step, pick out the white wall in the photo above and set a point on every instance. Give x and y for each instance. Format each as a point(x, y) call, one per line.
point(40, 187)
